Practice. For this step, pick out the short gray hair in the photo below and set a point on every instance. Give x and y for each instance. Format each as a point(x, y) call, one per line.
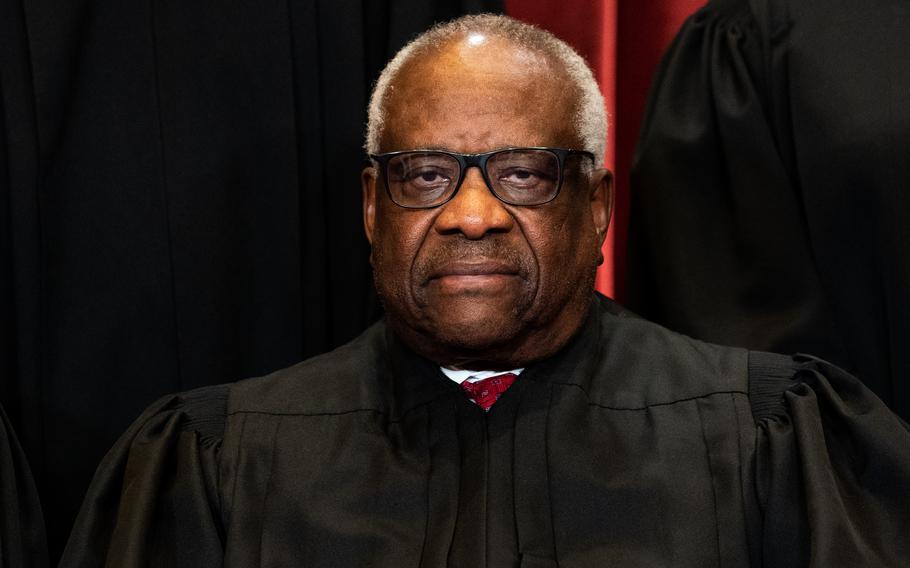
point(590, 116)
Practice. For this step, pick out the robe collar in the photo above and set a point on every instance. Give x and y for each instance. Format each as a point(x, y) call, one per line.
point(413, 381)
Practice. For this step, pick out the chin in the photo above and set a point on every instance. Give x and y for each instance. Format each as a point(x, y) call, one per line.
point(475, 337)
point(475, 319)
point(452, 336)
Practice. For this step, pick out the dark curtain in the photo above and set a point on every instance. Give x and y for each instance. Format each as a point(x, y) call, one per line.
point(770, 202)
point(180, 203)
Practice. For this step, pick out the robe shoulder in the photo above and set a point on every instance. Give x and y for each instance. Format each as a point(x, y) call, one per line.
point(831, 463)
point(636, 363)
point(832, 466)
point(342, 380)
point(159, 481)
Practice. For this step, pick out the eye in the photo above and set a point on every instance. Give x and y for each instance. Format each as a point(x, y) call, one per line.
point(523, 177)
point(527, 174)
point(421, 179)
point(426, 178)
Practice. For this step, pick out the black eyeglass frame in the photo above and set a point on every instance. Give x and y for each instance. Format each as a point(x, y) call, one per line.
point(466, 161)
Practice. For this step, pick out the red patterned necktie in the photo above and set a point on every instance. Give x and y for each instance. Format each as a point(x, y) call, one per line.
point(485, 392)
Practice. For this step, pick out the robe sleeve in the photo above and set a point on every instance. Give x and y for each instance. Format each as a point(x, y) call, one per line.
point(22, 536)
point(154, 500)
point(718, 248)
point(768, 192)
point(832, 468)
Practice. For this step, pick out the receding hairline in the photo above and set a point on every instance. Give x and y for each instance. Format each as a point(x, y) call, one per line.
point(430, 72)
point(426, 55)
point(589, 117)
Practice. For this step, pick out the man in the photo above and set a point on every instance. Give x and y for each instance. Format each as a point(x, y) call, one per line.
point(618, 444)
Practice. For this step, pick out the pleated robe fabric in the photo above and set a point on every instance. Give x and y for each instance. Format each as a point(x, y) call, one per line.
point(769, 202)
point(634, 446)
point(23, 543)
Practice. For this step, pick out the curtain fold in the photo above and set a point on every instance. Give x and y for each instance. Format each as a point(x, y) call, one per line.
point(180, 204)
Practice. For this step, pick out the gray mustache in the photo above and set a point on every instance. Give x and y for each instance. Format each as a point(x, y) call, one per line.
point(448, 251)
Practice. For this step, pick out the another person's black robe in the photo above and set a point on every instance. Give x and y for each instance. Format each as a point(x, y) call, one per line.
point(771, 189)
point(22, 537)
point(633, 446)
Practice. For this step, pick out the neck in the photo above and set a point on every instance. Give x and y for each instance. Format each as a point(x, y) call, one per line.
point(532, 345)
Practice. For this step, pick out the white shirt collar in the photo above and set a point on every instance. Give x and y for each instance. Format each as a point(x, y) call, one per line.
point(461, 375)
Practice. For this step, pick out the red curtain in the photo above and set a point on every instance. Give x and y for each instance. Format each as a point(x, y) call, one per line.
point(623, 41)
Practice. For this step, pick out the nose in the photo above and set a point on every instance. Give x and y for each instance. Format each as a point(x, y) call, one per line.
point(474, 211)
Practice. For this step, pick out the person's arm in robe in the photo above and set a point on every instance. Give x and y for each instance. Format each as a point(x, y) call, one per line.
point(154, 500)
point(768, 202)
point(832, 469)
point(718, 247)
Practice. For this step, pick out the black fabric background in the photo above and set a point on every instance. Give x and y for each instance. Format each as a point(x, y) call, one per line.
point(769, 194)
point(179, 204)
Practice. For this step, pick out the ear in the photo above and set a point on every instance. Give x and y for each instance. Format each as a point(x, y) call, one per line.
point(601, 201)
point(368, 183)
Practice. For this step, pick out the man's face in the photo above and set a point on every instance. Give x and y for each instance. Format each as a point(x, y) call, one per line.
point(477, 283)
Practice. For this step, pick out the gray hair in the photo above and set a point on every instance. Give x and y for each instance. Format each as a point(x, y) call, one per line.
point(590, 115)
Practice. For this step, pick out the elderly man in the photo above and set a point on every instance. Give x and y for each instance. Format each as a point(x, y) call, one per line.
point(503, 414)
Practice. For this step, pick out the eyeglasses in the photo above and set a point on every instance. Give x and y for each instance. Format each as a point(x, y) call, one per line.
point(420, 179)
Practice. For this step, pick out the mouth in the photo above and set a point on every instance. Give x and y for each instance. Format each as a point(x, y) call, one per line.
point(459, 276)
point(473, 268)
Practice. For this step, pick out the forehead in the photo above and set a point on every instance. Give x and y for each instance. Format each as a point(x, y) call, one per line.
point(472, 96)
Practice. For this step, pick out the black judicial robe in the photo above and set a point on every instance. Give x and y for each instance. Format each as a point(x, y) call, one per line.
point(633, 446)
point(23, 543)
point(769, 201)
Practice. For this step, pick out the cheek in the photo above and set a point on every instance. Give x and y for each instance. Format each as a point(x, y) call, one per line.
point(563, 241)
point(566, 249)
point(397, 239)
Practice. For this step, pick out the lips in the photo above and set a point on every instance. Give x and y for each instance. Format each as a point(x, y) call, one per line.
point(472, 268)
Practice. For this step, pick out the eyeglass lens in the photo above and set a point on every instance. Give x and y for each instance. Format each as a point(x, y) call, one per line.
point(520, 177)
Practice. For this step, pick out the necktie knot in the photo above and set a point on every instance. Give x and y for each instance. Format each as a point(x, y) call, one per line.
point(485, 392)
